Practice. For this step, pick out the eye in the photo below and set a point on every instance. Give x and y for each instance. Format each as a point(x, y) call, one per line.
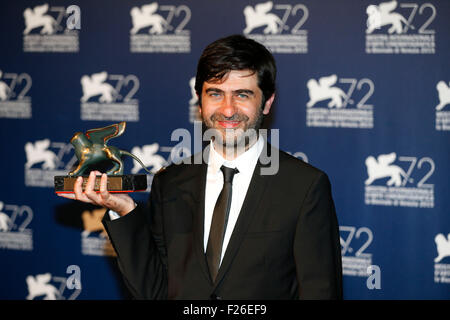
point(242, 95)
point(214, 94)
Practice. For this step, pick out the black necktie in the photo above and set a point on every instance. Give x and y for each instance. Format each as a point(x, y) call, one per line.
point(219, 222)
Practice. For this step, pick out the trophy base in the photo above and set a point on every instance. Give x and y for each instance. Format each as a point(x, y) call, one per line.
point(116, 184)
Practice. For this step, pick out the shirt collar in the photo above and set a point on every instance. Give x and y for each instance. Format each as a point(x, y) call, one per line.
point(244, 162)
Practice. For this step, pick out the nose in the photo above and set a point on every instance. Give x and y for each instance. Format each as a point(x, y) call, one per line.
point(228, 108)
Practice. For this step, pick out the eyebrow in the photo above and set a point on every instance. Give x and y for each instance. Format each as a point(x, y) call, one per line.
point(246, 91)
point(239, 91)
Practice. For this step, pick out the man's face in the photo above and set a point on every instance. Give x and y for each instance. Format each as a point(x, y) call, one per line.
point(232, 105)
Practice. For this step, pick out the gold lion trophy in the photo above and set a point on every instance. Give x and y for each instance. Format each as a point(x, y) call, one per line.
point(91, 150)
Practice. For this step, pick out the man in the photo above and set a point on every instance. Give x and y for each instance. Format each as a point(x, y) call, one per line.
point(224, 229)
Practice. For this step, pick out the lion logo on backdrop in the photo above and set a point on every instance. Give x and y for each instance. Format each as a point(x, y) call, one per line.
point(37, 17)
point(14, 220)
point(145, 17)
point(324, 90)
point(334, 107)
point(150, 158)
point(4, 89)
point(382, 167)
point(160, 28)
point(98, 243)
point(92, 222)
point(38, 152)
point(47, 287)
point(14, 101)
point(194, 113)
point(95, 85)
point(46, 159)
point(194, 98)
point(5, 220)
point(259, 16)
point(44, 25)
point(442, 246)
point(444, 95)
point(382, 15)
point(403, 187)
point(39, 286)
point(390, 32)
point(115, 97)
point(278, 26)
point(442, 268)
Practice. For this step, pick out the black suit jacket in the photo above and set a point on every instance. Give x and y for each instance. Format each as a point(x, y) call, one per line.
point(285, 244)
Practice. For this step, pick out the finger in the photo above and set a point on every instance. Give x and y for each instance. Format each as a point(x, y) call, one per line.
point(89, 190)
point(109, 200)
point(78, 191)
point(104, 187)
point(66, 195)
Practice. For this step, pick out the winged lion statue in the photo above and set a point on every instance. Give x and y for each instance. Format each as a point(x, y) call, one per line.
point(91, 149)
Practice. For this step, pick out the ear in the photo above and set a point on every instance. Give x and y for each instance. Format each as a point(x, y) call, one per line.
point(268, 104)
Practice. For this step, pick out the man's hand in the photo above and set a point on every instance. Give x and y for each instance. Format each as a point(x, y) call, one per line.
point(120, 203)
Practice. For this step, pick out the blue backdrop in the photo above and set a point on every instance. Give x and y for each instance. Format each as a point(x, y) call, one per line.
point(362, 93)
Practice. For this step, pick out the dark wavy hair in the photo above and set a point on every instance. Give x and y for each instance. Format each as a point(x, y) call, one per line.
point(236, 52)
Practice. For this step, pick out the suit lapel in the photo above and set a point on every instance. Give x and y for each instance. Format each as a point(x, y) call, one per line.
point(199, 223)
point(196, 185)
point(253, 200)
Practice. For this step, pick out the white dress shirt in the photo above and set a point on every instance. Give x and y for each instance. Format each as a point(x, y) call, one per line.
point(245, 163)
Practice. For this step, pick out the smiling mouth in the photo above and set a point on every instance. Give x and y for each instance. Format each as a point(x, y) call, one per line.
point(228, 124)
